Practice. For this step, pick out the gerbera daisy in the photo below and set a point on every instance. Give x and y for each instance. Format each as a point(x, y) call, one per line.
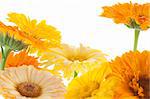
point(136, 16)
point(95, 84)
point(69, 59)
point(21, 58)
point(27, 82)
point(133, 15)
point(133, 72)
point(11, 31)
point(41, 35)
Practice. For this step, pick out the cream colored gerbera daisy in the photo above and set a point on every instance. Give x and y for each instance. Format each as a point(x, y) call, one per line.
point(26, 82)
point(69, 59)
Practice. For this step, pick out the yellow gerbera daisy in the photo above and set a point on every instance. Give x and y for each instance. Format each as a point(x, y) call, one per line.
point(41, 35)
point(132, 15)
point(26, 82)
point(95, 84)
point(133, 72)
point(21, 58)
point(69, 59)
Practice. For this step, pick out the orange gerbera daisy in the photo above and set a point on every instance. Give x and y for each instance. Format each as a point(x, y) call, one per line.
point(133, 72)
point(20, 59)
point(13, 31)
point(132, 15)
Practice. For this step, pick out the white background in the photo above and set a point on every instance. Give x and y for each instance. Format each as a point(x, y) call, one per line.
point(79, 22)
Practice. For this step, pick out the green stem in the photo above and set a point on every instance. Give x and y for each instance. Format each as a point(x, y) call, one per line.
point(136, 37)
point(5, 52)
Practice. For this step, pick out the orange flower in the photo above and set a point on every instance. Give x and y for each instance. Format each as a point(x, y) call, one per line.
point(133, 73)
point(132, 15)
point(13, 31)
point(20, 59)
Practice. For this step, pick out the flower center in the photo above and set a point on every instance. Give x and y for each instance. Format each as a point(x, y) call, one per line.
point(89, 90)
point(141, 87)
point(29, 89)
point(145, 84)
point(77, 58)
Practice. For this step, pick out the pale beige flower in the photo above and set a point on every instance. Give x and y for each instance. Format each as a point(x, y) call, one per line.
point(27, 82)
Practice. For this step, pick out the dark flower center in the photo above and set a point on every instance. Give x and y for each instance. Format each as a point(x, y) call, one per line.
point(145, 84)
point(29, 89)
point(141, 87)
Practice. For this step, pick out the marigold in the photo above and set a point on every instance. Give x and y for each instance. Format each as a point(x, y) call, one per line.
point(69, 59)
point(132, 15)
point(95, 84)
point(21, 58)
point(27, 82)
point(133, 73)
point(40, 35)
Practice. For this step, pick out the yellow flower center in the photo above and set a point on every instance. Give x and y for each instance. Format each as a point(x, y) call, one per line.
point(141, 87)
point(28, 89)
point(77, 58)
point(89, 90)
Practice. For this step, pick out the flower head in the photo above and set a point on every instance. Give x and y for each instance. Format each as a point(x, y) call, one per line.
point(133, 15)
point(69, 59)
point(20, 59)
point(95, 84)
point(11, 37)
point(39, 35)
point(28, 82)
point(133, 73)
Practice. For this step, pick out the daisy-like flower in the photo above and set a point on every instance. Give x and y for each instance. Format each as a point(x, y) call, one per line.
point(21, 58)
point(95, 84)
point(11, 37)
point(40, 35)
point(136, 16)
point(133, 15)
point(133, 73)
point(11, 31)
point(69, 59)
point(27, 82)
